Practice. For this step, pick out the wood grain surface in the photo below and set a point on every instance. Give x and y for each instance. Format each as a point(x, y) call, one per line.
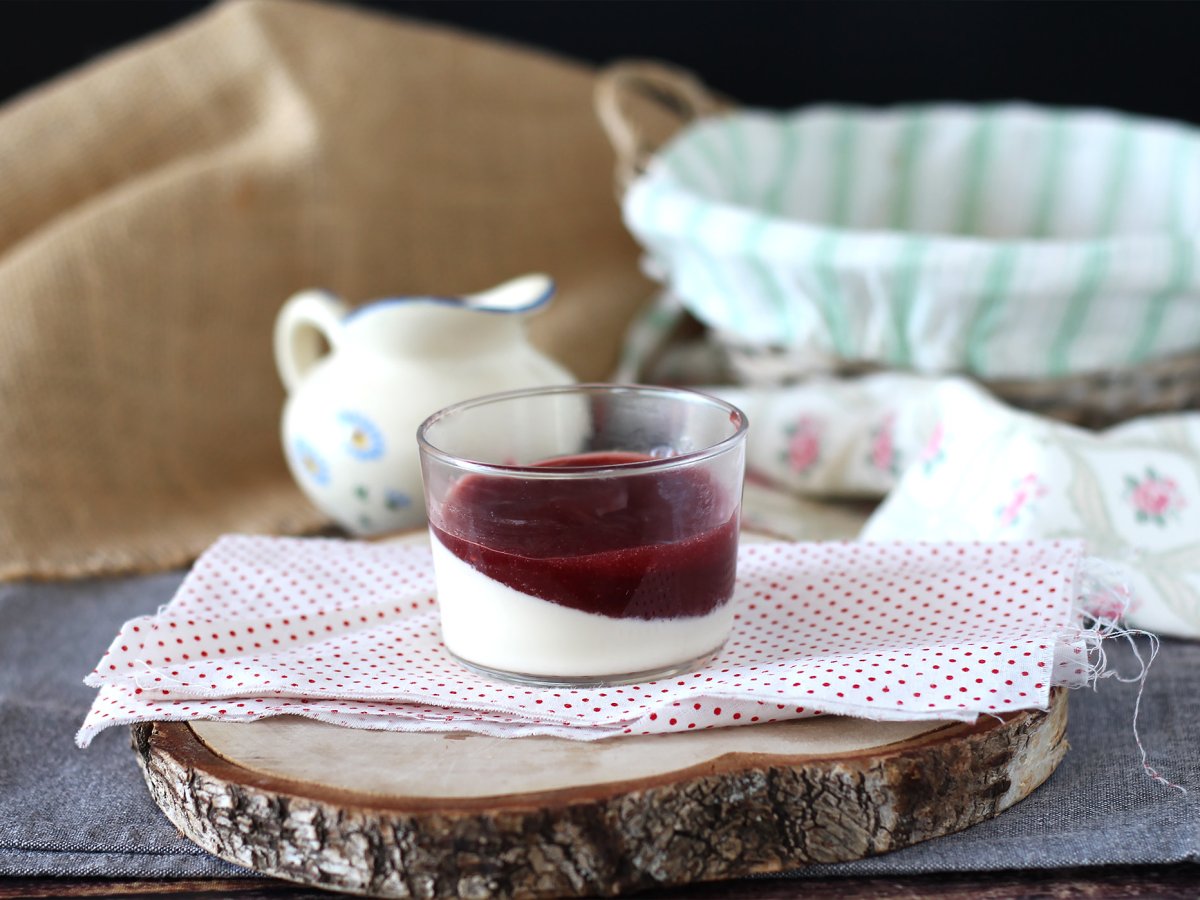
point(466, 770)
point(727, 816)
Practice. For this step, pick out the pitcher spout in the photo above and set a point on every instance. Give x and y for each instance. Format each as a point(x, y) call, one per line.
point(449, 325)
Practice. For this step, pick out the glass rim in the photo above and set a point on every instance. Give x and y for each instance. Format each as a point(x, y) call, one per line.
point(736, 416)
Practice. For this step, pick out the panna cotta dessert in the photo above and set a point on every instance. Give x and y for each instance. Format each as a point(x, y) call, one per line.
point(585, 534)
point(613, 577)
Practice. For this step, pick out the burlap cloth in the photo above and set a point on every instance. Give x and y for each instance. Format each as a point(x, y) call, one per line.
point(158, 206)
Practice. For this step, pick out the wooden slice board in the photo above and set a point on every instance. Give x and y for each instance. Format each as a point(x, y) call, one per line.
point(453, 815)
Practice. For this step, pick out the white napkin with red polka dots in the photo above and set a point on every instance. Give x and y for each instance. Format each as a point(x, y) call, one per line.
point(347, 632)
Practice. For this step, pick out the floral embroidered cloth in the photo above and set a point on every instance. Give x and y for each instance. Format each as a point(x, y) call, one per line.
point(1132, 493)
point(957, 464)
point(348, 633)
point(838, 437)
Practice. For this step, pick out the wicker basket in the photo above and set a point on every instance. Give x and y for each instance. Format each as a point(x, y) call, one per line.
point(645, 108)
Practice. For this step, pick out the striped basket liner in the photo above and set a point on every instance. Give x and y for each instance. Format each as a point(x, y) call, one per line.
point(1009, 242)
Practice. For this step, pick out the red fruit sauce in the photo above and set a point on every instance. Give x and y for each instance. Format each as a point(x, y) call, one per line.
point(643, 546)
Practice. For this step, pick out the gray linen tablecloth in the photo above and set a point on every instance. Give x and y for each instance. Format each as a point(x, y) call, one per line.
point(69, 812)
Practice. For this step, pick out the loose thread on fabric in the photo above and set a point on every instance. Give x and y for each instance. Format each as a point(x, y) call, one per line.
point(1104, 598)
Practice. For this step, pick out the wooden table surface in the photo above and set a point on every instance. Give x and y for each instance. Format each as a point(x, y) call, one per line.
point(1167, 882)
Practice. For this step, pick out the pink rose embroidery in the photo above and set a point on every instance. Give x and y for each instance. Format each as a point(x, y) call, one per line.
point(932, 453)
point(1024, 492)
point(883, 446)
point(804, 445)
point(1153, 497)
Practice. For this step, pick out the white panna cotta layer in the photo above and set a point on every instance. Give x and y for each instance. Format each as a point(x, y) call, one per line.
point(490, 624)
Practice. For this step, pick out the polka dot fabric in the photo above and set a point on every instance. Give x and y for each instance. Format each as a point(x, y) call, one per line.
point(348, 633)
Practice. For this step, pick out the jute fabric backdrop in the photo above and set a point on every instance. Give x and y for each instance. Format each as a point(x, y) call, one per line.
point(158, 206)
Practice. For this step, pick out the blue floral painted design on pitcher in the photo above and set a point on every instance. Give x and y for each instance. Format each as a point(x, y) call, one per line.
point(396, 500)
point(366, 440)
point(310, 462)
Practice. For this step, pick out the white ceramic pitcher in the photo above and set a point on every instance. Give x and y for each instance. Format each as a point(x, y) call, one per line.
point(352, 413)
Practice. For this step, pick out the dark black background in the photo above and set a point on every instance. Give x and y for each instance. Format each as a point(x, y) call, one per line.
point(1139, 56)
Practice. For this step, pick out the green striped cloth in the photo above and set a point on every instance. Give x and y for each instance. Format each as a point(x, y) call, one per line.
point(1005, 241)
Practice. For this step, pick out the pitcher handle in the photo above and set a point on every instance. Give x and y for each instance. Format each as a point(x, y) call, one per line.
point(305, 320)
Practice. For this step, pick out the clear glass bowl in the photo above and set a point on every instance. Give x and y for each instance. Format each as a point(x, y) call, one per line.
point(584, 534)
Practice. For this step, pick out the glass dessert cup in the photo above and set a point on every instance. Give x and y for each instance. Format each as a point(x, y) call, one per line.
point(587, 534)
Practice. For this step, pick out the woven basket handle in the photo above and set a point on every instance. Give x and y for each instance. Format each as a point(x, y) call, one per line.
point(642, 104)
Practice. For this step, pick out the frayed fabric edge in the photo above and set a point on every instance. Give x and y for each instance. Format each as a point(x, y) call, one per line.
point(1102, 601)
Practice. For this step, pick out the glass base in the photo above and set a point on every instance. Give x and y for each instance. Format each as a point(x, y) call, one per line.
point(586, 681)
